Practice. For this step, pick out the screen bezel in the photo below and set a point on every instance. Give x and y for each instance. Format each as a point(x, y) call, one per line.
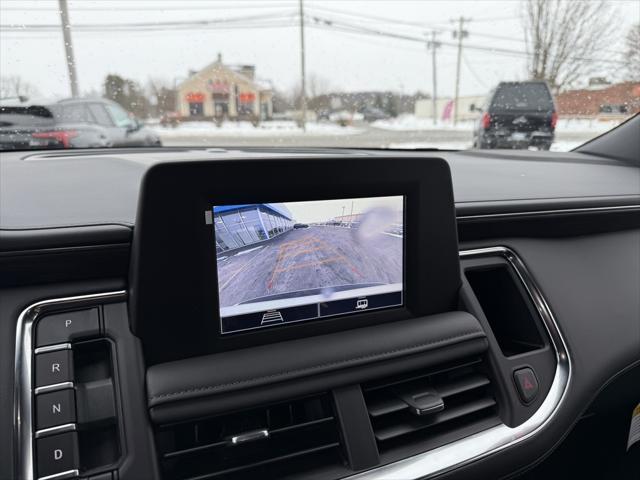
point(320, 318)
point(173, 297)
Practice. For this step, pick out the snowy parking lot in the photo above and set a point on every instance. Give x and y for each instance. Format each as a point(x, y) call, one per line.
point(403, 132)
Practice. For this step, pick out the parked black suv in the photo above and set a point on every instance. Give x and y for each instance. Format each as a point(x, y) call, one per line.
point(517, 115)
point(74, 123)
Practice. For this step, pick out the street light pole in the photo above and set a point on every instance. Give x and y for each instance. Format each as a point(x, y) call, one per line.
point(302, 69)
point(460, 34)
point(433, 45)
point(68, 47)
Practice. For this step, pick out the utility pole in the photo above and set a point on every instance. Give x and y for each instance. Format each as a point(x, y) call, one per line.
point(433, 45)
point(302, 69)
point(68, 47)
point(459, 34)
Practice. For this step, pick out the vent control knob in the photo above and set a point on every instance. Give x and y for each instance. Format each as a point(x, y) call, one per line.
point(424, 402)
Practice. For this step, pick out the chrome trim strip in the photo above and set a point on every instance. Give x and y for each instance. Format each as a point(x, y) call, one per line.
point(533, 213)
point(67, 427)
point(249, 437)
point(495, 439)
point(22, 396)
point(52, 348)
point(53, 387)
point(61, 475)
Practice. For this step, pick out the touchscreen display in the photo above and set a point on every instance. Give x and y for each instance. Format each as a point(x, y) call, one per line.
point(280, 263)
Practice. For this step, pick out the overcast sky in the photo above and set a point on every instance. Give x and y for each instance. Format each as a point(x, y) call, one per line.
point(339, 61)
point(323, 210)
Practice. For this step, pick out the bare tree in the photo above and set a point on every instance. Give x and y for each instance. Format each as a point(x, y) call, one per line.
point(563, 36)
point(16, 86)
point(317, 85)
point(163, 96)
point(632, 54)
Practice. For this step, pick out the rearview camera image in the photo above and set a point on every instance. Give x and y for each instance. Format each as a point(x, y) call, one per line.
point(281, 263)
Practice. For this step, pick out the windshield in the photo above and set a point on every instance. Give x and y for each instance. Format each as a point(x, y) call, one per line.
point(521, 74)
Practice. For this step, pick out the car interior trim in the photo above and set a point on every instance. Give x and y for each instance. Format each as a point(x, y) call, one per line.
point(54, 387)
point(423, 465)
point(67, 427)
point(495, 439)
point(616, 208)
point(61, 475)
point(52, 348)
point(23, 422)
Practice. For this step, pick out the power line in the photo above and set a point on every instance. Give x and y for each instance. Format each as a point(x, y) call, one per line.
point(319, 22)
point(473, 72)
point(430, 26)
point(351, 28)
point(260, 4)
point(189, 24)
point(150, 33)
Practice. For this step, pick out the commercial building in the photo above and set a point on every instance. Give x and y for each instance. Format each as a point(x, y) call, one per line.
point(600, 99)
point(237, 226)
point(224, 92)
point(445, 106)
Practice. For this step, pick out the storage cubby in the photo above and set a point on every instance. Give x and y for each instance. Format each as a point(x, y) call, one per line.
point(509, 312)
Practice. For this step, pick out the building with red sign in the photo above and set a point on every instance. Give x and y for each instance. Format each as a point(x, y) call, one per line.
point(224, 92)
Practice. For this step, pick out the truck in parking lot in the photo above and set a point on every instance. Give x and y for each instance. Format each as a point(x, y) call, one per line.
point(517, 115)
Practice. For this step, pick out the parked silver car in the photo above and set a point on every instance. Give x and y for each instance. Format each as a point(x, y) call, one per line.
point(73, 123)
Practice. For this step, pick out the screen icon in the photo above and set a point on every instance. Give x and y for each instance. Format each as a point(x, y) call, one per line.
point(272, 316)
point(362, 304)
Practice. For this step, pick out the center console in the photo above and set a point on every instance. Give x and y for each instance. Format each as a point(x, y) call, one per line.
point(314, 319)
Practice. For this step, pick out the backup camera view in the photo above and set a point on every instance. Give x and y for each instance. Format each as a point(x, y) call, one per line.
point(288, 262)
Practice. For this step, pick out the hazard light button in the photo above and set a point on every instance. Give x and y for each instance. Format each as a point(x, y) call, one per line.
point(527, 384)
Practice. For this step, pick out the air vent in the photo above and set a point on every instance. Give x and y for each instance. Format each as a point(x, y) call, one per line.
point(278, 441)
point(434, 407)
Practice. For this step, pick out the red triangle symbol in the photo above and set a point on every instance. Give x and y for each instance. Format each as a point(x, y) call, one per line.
point(527, 384)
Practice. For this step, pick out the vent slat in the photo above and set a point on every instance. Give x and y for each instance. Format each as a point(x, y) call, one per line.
point(465, 390)
point(384, 384)
point(464, 384)
point(384, 406)
point(411, 424)
point(298, 426)
point(263, 463)
point(193, 450)
point(303, 436)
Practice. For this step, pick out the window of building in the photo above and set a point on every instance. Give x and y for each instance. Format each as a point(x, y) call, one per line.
point(610, 108)
point(196, 109)
point(246, 102)
point(266, 220)
point(233, 222)
point(252, 224)
point(224, 238)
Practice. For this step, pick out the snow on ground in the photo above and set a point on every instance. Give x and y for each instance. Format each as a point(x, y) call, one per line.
point(274, 128)
point(561, 146)
point(426, 145)
point(408, 122)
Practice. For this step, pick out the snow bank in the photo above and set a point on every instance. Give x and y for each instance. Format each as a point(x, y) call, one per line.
point(561, 146)
point(410, 122)
point(264, 129)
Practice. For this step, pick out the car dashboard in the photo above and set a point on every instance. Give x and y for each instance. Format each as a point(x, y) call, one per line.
point(517, 335)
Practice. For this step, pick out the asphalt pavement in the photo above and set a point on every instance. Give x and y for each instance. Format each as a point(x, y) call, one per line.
point(311, 258)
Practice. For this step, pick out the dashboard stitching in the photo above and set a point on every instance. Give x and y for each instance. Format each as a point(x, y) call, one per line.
point(209, 388)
